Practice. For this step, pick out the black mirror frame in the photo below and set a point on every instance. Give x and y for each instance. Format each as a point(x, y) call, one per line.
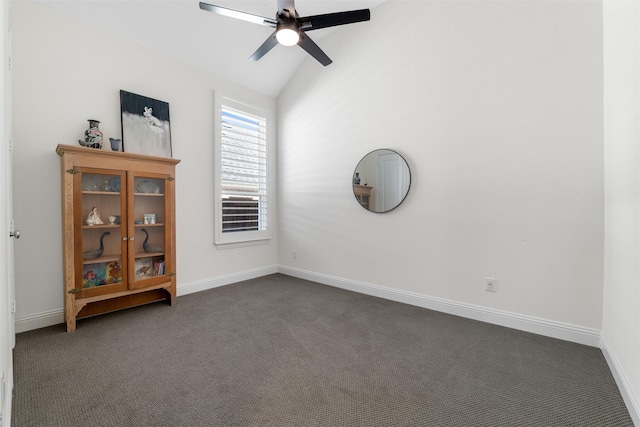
point(408, 187)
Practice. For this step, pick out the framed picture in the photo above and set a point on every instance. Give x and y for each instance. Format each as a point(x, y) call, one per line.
point(145, 125)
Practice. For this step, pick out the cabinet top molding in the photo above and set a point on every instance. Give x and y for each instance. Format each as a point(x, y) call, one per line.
point(72, 149)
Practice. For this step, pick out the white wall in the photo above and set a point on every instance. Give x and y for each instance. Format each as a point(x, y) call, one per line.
point(65, 72)
point(497, 107)
point(621, 313)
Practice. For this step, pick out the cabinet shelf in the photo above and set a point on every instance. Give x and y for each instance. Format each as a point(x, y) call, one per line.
point(100, 226)
point(101, 193)
point(120, 299)
point(140, 255)
point(149, 194)
point(104, 258)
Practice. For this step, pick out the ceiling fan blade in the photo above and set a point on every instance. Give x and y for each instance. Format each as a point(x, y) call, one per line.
point(268, 44)
point(312, 49)
point(238, 15)
point(315, 22)
point(287, 6)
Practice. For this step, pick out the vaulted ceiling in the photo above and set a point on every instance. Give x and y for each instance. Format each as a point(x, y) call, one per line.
point(215, 43)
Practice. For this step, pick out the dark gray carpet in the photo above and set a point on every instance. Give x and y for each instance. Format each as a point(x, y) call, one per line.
point(279, 351)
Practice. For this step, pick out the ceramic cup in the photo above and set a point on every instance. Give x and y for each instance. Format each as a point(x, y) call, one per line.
point(115, 144)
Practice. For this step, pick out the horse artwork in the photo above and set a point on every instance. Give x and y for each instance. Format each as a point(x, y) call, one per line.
point(145, 125)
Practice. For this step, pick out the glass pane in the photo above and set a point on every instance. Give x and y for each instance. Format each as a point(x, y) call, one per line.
point(101, 229)
point(150, 228)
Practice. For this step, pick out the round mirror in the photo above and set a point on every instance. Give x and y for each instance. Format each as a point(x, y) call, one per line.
point(381, 180)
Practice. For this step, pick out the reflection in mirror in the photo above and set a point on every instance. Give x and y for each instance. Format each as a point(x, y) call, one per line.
point(381, 180)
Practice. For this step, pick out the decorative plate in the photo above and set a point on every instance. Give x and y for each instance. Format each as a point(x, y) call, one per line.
point(89, 184)
point(147, 186)
point(114, 184)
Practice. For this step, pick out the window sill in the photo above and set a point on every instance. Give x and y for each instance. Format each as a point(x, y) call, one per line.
point(242, 244)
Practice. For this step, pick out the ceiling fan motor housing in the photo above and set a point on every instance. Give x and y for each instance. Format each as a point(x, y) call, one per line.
point(287, 32)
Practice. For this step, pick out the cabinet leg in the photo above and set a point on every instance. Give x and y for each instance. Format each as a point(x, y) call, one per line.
point(71, 324)
point(70, 312)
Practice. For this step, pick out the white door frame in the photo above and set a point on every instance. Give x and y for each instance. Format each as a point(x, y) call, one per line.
point(7, 302)
point(390, 180)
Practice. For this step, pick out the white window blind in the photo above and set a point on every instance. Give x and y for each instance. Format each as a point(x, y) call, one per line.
point(243, 171)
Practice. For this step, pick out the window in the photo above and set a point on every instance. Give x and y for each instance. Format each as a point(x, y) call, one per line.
point(241, 173)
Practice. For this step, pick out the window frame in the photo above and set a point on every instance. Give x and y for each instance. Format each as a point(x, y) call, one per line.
point(247, 237)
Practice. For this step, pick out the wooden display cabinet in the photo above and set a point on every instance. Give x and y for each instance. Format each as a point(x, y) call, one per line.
point(363, 195)
point(130, 258)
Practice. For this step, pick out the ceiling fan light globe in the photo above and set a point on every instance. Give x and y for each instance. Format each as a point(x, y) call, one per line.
point(287, 36)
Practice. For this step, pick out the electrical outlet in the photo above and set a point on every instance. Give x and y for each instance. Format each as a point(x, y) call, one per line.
point(490, 284)
point(294, 254)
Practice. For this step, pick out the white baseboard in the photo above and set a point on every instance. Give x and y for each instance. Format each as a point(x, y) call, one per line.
point(531, 324)
point(632, 401)
point(55, 317)
point(549, 328)
point(39, 320)
point(203, 285)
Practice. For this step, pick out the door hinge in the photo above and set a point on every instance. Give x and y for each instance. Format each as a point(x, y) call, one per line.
point(170, 178)
point(73, 171)
point(171, 274)
point(74, 291)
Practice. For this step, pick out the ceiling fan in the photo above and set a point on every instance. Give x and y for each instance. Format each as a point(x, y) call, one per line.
point(290, 28)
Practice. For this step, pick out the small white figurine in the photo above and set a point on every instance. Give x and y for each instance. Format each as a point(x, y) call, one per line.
point(153, 120)
point(94, 217)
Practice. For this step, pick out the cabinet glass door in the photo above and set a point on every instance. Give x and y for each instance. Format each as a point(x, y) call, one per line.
point(150, 226)
point(100, 232)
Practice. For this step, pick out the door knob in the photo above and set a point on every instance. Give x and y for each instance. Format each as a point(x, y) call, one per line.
point(15, 234)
